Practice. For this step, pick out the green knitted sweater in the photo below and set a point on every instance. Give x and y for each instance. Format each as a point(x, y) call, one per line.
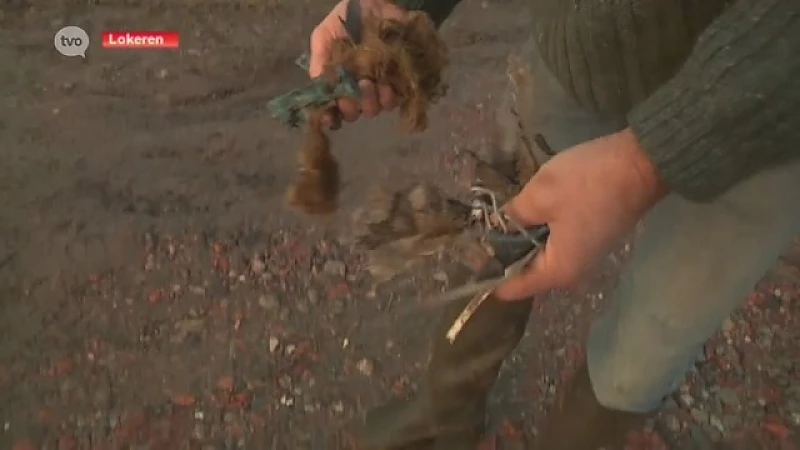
point(710, 87)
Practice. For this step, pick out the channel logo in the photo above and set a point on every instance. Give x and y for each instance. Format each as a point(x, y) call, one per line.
point(71, 41)
point(74, 41)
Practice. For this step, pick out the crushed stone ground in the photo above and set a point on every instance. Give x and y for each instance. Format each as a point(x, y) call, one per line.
point(157, 293)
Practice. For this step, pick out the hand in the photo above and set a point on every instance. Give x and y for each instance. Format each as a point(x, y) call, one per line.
point(374, 98)
point(590, 195)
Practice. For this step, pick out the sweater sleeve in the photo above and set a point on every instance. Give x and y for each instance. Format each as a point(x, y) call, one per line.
point(732, 109)
point(437, 10)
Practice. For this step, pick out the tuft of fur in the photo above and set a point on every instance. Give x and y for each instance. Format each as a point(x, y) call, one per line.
point(316, 184)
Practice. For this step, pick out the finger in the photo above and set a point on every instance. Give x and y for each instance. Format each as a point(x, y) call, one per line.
point(531, 206)
point(321, 46)
point(386, 97)
point(369, 98)
point(523, 212)
point(330, 119)
point(337, 122)
point(348, 108)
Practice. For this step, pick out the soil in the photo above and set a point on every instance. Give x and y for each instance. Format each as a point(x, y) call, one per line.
point(157, 293)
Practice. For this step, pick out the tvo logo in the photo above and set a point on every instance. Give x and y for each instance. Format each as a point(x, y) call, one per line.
point(71, 41)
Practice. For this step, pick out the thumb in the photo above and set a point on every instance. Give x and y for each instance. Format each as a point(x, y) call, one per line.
point(321, 49)
point(528, 208)
point(531, 206)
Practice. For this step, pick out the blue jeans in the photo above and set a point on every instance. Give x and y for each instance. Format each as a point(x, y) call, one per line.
point(693, 265)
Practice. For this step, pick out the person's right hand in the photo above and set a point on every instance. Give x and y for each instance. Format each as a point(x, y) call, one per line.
point(590, 195)
point(374, 98)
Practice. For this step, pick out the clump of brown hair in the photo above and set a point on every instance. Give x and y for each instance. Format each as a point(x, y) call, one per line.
point(316, 185)
point(410, 57)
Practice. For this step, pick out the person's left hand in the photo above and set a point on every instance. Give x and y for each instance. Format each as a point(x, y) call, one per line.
point(590, 196)
point(374, 98)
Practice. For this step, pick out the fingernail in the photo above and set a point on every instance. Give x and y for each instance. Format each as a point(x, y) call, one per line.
point(366, 86)
point(369, 100)
point(386, 97)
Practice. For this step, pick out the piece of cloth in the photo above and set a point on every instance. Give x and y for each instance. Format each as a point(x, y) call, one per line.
point(692, 266)
point(710, 87)
point(611, 56)
point(437, 10)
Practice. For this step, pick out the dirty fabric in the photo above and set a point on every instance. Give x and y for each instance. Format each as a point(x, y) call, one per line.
point(400, 228)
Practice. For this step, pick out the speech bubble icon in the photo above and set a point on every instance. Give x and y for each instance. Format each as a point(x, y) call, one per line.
point(72, 41)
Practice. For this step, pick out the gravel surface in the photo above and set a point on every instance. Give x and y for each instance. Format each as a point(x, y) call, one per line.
point(157, 293)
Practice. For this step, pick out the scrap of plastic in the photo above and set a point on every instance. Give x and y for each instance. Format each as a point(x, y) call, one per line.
point(292, 107)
